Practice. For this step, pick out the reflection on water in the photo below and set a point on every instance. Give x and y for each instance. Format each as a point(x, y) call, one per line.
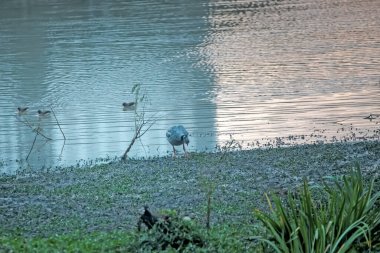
point(257, 70)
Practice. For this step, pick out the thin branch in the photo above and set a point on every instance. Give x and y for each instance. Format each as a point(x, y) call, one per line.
point(146, 130)
point(135, 137)
point(64, 137)
point(26, 123)
point(152, 120)
point(60, 155)
point(143, 146)
point(30, 151)
point(139, 121)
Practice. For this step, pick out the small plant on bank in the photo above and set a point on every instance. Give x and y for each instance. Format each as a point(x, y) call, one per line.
point(170, 232)
point(142, 123)
point(231, 145)
point(208, 185)
point(346, 222)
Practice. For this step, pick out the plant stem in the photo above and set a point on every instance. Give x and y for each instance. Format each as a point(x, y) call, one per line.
point(64, 137)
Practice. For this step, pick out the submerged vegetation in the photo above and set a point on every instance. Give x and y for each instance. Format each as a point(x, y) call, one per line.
point(297, 199)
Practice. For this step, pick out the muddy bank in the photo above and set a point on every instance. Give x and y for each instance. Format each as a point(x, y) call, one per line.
point(110, 196)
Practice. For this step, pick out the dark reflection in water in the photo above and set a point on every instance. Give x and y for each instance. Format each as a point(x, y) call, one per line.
point(256, 70)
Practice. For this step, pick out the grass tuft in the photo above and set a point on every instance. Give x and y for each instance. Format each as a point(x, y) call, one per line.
point(347, 221)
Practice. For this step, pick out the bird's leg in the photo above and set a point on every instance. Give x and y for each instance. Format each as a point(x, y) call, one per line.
point(186, 154)
point(173, 152)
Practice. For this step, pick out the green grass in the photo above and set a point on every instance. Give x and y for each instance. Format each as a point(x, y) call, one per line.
point(347, 221)
point(74, 242)
point(102, 189)
point(226, 238)
point(94, 209)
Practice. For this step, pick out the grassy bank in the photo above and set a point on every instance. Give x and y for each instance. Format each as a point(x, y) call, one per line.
point(97, 208)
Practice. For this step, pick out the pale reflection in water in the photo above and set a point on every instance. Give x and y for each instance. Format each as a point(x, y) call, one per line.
point(303, 70)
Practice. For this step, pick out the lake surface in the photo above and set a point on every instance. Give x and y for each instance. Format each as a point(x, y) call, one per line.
point(260, 72)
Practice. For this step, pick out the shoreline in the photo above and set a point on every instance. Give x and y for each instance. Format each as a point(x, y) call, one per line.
point(109, 197)
point(13, 167)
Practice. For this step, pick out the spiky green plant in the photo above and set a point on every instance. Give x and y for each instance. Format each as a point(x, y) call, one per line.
point(346, 221)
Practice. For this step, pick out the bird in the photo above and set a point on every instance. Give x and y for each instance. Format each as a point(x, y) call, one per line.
point(147, 218)
point(43, 113)
point(22, 110)
point(128, 106)
point(177, 135)
point(371, 117)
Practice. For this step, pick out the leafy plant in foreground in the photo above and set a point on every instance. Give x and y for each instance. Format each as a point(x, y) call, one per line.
point(171, 232)
point(346, 222)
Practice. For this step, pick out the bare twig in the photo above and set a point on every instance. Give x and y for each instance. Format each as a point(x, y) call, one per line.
point(152, 121)
point(138, 134)
point(140, 121)
point(25, 122)
point(64, 137)
point(30, 151)
point(60, 154)
point(37, 129)
point(135, 137)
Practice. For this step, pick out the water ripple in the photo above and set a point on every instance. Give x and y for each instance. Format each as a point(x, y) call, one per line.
point(252, 71)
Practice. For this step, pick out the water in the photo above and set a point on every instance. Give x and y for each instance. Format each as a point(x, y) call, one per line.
point(303, 71)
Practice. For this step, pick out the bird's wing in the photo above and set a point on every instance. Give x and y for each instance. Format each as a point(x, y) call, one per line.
point(183, 130)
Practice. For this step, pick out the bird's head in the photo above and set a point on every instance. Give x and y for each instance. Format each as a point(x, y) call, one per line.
point(185, 138)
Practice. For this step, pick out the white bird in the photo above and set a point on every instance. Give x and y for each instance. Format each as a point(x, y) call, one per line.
point(177, 135)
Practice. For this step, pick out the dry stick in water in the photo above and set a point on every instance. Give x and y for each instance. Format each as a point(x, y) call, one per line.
point(60, 154)
point(64, 137)
point(35, 138)
point(26, 123)
point(38, 132)
point(31, 148)
point(59, 125)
